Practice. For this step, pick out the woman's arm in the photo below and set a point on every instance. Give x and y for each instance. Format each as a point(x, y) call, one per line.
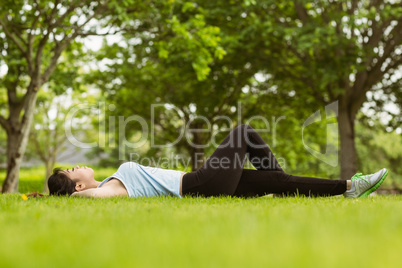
point(102, 192)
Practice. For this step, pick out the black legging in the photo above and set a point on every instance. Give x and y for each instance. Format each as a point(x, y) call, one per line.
point(223, 173)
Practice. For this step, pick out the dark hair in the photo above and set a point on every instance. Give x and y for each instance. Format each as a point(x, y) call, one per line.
point(60, 184)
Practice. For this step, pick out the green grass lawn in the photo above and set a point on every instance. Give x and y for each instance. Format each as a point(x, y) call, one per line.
point(200, 232)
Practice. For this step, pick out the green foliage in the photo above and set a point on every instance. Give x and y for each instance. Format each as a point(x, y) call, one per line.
point(194, 39)
point(378, 149)
point(306, 63)
point(162, 72)
point(48, 137)
point(201, 57)
point(33, 36)
point(330, 47)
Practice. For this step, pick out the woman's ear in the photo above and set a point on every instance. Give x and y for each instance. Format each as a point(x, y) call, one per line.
point(79, 187)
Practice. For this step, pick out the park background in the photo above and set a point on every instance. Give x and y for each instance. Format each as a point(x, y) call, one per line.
point(206, 66)
point(198, 62)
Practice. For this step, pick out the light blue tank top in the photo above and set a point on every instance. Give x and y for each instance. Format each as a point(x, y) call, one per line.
point(147, 181)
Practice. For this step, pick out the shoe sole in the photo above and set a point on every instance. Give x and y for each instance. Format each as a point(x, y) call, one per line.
point(375, 186)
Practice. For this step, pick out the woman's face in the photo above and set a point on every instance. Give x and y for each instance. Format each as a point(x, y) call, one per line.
point(81, 174)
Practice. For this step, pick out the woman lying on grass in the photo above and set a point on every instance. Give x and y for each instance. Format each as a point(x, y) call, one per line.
point(221, 174)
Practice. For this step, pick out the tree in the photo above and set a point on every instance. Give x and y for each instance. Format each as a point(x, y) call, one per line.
point(176, 52)
point(34, 35)
point(313, 53)
point(385, 146)
point(47, 138)
point(332, 51)
point(187, 64)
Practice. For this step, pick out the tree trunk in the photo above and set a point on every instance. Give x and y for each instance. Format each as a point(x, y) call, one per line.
point(16, 145)
point(197, 158)
point(14, 159)
point(348, 154)
point(17, 139)
point(49, 164)
point(49, 167)
point(197, 154)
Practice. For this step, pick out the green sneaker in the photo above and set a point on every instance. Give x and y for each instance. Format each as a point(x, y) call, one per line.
point(363, 185)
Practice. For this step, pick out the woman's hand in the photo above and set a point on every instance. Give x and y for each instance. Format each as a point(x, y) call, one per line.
point(84, 193)
point(98, 193)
